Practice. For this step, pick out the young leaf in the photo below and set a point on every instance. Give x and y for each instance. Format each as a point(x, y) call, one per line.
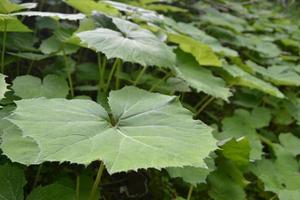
point(52, 87)
point(200, 78)
point(131, 44)
point(203, 53)
point(237, 151)
point(3, 86)
point(12, 181)
point(145, 130)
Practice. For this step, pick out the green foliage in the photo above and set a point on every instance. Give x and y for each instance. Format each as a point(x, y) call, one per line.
point(12, 180)
point(53, 191)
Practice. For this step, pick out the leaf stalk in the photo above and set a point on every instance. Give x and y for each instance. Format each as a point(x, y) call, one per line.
point(97, 181)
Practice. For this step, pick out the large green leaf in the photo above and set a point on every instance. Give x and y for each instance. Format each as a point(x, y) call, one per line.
point(3, 86)
point(51, 192)
point(28, 86)
point(12, 181)
point(200, 78)
point(242, 78)
point(202, 52)
point(131, 43)
point(145, 130)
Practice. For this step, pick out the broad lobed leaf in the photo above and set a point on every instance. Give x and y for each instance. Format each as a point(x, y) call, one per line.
point(148, 130)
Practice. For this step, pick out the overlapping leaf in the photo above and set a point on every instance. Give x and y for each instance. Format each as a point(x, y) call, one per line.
point(240, 77)
point(200, 78)
point(244, 124)
point(131, 43)
point(279, 75)
point(203, 53)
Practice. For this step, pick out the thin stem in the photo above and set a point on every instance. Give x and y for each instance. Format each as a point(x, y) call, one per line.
point(18, 66)
point(77, 186)
point(118, 72)
point(190, 192)
point(140, 75)
point(201, 102)
point(160, 81)
point(97, 181)
point(3, 46)
point(41, 5)
point(103, 69)
point(68, 73)
point(30, 67)
point(71, 84)
point(265, 140)
point(111, 74)
point(100, 83)
point(38, 173)
point(204, 105)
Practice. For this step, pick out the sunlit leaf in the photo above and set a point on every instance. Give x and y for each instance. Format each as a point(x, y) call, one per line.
point(202, 52)
point(131, 44)
point(146, 130)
